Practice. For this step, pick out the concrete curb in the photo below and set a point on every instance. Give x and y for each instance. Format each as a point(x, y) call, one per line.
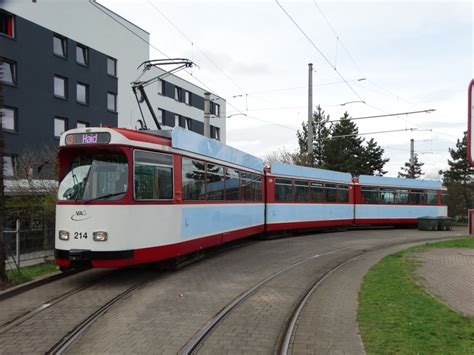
point(40, 281)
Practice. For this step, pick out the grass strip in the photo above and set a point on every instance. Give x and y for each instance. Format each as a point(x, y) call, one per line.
point(396, 316)
point(27, 273)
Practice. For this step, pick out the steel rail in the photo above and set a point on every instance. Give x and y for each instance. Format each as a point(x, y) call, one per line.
point(62, 345)
point(290, 329)
point(8, 325)
point(201, 335)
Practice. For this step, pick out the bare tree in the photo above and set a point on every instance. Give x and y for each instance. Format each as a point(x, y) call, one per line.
point(281, 155)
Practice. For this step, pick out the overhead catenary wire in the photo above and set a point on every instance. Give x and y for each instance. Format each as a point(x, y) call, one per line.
point(388, 115)
point(318, 50)
point(194, 45)
point(339, 40)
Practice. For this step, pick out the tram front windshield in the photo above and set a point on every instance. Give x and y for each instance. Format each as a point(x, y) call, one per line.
point(95, 177)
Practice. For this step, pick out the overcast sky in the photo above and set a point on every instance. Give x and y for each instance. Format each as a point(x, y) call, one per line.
point(413, 55)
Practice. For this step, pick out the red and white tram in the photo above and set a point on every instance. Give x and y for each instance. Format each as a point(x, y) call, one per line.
point(132, 197)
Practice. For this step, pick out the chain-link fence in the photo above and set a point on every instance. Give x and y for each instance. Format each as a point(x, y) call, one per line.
point(29, 238)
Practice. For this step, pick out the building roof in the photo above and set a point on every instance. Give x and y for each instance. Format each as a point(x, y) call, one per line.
point(29, 187)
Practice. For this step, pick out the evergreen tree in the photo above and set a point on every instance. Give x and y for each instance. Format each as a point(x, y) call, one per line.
point(459, 180)
point(459, 168)
point(372, 161)
point(321, 133)
point(411, 171)
point(345, 151)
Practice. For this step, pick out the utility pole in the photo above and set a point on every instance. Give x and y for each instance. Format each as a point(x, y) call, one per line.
point(207, 115)
point(310, 113)
point(412, 152)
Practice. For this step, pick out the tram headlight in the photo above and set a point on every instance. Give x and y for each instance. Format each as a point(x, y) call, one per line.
point(63, 235)
point(100, 236)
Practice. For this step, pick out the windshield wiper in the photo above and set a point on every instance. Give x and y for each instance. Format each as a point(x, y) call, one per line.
point(105, 196)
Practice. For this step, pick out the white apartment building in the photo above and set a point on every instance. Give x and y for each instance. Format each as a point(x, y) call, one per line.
point(93, 25)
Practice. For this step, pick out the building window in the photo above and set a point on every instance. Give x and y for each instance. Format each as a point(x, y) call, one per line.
point(7, 24)
point(81, 124)
point(187, 98)
point(9, 119)
point(161, 87)
point(82, 93)
point(215, 109)
point(60, 46)
point(7, 71)
point(112, 102)
point(9, 165)
point(112, 67)
point(176, 120)
point(60, 86)
point(159, 116)
point(60, 126)
point(82, 55)
point(215, 133)
point(178, 94)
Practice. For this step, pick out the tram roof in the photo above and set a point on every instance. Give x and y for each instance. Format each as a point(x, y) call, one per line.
point(399, 182)
point(310, 173)
point(196, 143)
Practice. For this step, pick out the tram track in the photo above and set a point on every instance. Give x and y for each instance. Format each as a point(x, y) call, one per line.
point(24, 316)
point(283, 343)
point(62, 345)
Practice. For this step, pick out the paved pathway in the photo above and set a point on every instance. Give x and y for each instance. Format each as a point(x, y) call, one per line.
point(448, 274)
point(163, 315)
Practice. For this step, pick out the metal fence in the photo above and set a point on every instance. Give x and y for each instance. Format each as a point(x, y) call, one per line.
point(28, 243)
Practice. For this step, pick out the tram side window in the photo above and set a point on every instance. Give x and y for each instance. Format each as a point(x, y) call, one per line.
point(301, 191)
point(153, 176)
point(432, 197)
point(316, 192)
point(387, 196)
point(444, 198)
point(370, 194)
point(401, 197)
point(331, 192)
point(215, 182)
point(258, 187)
point(283, 190)
point(343, 193)
point(232, 185)
point(194, 179)
point(418, 197)
point(248, 186)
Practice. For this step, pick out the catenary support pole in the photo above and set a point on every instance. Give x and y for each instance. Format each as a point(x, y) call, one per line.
point(310, 113)
point(412, 152)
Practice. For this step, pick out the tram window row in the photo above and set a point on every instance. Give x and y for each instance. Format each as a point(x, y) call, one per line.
point(288, 190)
point(380, 195)
point(203, 181)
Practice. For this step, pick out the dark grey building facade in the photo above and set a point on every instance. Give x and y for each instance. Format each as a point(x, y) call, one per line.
point(50, 83)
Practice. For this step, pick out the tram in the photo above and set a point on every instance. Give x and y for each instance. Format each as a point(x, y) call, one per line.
point(130, 197)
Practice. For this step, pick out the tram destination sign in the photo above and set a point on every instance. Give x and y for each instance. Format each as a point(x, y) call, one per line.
point(88, 138)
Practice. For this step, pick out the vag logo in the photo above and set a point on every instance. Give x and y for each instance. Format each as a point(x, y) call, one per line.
point(80, 216)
